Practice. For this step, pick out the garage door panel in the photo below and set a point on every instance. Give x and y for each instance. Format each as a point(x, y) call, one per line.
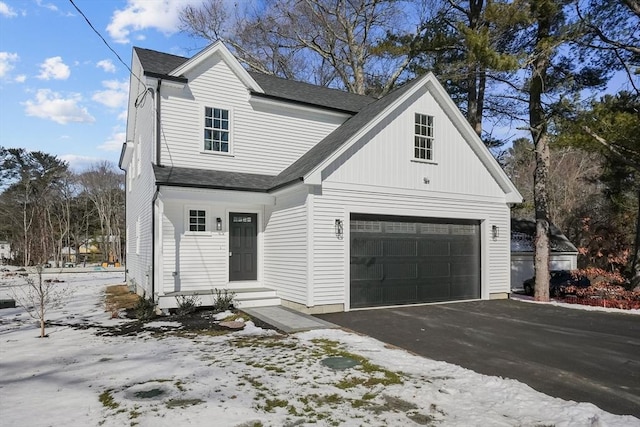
point(431, 247)
point(434, 290)
point(366, 247)
point(400, 247)
point(432, 268)
point(401, 260)
point(364, 272)
point(403, 271)
point(461, 289)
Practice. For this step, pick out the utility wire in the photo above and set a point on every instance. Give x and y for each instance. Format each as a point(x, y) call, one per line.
point(141, 97)
point(106, 42)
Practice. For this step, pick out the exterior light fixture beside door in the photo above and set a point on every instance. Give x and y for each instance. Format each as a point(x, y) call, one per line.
point(495, 232)
point(219, 224)
point(339, 228)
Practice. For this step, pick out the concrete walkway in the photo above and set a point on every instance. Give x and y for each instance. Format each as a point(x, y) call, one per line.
point(288, 320)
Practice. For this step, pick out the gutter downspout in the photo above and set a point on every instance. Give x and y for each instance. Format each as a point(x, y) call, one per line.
point(153, 242)
point(158, 127)
point(155, 194)
point(126, 225)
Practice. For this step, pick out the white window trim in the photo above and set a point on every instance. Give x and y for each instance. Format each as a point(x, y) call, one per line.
point(231, 129)
point(432, 160)
point(207, 221)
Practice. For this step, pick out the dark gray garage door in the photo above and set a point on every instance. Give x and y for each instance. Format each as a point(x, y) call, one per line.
point(409, 260)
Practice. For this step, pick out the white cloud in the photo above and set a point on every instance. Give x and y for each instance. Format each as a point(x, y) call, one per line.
point(115, 95)
point(79, 163)
point(20, 78)
point(52, 106)
point(114, 142)
point(6, 11)
point(6, 62)
point(49, 6)
point(142, 14)
point(106, 65)
point(54, 68)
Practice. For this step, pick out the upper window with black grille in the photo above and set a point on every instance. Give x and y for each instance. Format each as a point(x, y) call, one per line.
point(423, 138)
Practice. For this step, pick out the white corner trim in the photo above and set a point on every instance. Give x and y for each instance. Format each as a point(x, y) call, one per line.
point(220, 49)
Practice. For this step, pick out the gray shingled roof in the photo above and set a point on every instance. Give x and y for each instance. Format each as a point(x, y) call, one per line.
point(310, 94)
point(203, 178)
point(160, 63)
point(523, 233)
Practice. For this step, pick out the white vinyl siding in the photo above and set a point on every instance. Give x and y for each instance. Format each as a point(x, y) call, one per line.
point(140, 133)
point(264, 140)
point(285, 246)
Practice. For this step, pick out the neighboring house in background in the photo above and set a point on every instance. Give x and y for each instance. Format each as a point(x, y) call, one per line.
point(5, 251)
point(563, 255)
point(321, 200)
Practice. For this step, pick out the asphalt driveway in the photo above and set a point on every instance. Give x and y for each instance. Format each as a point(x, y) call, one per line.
point(585, 356)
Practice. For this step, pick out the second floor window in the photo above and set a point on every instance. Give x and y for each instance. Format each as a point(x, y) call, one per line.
point(216, 129)
point(423, 138)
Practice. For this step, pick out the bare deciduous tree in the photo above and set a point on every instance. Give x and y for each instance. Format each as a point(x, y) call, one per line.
point(104, 187)
point(40, 296)
point(328, 42)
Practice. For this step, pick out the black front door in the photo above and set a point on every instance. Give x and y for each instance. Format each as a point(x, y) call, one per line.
point(243, 246)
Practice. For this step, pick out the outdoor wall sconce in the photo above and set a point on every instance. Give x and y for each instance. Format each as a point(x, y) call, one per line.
point(495, 231)
point(339, 228)
point(219, 224)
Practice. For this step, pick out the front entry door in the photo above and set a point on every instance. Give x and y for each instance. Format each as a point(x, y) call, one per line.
point(243, 246)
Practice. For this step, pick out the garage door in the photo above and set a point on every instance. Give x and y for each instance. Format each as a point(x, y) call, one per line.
point(408, 260)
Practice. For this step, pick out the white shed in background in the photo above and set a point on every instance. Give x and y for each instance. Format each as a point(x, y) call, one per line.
point(563, 256)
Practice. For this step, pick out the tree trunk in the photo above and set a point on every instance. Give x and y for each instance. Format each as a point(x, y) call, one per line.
point(540, 197)
point(538, 126)
point(41, 309)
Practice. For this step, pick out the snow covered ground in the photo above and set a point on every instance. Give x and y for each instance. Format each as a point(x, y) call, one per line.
point(252, 377)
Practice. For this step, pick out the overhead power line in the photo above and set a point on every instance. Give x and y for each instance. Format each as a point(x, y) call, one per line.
point(105, 41)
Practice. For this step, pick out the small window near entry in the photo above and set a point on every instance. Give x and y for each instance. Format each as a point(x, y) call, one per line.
point(423, 138)
point(216, 130)
point(197, 220)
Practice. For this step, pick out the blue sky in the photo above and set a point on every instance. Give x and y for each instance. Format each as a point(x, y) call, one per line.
point(62, 91)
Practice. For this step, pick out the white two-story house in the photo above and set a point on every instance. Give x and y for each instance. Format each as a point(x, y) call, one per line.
point(318, 199)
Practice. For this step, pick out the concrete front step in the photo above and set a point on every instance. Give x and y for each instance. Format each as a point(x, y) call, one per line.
point(243, 297)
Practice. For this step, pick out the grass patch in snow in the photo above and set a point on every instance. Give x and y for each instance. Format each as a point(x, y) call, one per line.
point(107, 400)
point(119, 297)
point(376, 374)
point(183, 403)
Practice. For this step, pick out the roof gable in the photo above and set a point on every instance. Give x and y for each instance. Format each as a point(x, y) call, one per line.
point(311, 164)
point(218, 48)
